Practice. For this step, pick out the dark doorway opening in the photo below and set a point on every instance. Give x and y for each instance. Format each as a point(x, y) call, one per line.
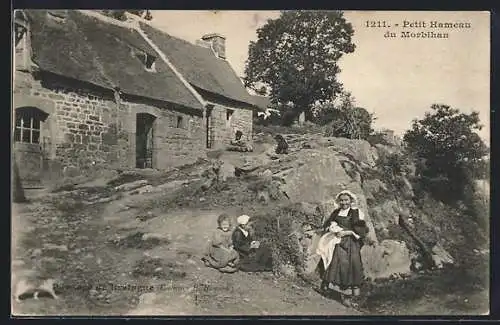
point(144, 140)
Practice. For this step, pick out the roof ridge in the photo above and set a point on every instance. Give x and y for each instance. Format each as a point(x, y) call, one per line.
point(163, 56)
point(92, 13)
point(177, 38)
point(135, 26)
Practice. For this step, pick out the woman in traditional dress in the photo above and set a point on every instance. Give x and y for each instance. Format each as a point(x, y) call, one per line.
point(345, 271)
point(254, 257)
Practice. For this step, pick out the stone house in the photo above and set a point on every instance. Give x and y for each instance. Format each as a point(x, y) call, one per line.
point(91, 91)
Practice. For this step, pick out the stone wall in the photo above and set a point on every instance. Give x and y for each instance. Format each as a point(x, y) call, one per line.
point(226, 119)
point(179, 136)
point(89, 126)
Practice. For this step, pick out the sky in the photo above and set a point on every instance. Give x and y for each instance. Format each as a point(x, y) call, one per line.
point(397, 79)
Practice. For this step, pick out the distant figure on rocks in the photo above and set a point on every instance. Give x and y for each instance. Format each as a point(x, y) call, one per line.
point(220, 254)
point(240, 143)
point(254, 257)
point(282, 147)
point(344, 272)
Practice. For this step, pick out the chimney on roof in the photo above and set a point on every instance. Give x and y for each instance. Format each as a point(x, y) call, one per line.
point(203, 43)
point(218, 44)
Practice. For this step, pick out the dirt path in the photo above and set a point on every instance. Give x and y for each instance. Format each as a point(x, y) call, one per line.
point(239, 293)
point(117, 264)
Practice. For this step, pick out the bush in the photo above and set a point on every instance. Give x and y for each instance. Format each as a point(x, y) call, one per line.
point(377, 138)
point(281, 229)
point(447, 140)
point(392, 167)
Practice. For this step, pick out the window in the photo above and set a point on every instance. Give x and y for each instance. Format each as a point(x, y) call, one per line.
point(20, 31)
point(229, 115)
point(180, 122)
point(147, 60)
point(28, 125)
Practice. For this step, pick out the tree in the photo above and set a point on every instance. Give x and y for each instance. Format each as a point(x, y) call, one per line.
point(296, 56)
point(453, 152)
point(343, 118)
point(120, 14)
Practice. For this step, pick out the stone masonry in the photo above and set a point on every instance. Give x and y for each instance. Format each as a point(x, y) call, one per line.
point(86, 127)
point(224, 129)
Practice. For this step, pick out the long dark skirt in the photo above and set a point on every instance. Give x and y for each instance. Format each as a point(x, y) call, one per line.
point(258, 260)
point(345, 271)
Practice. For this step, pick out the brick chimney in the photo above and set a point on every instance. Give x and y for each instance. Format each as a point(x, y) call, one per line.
point(218, 44)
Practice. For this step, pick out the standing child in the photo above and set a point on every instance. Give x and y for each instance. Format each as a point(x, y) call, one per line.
point(221, 254)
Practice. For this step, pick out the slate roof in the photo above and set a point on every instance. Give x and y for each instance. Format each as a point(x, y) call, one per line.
point(201, 68)
point(86, 48)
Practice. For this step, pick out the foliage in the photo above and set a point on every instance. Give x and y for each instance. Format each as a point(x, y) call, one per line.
point(378, 137)
point(282, 228)
point(296, 56)
point(451, 151)
point(343, 119)
point(392, 165)
point(120, 14)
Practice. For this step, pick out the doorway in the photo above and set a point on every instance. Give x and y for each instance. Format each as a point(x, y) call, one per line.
point(209, 130)
point(144, 142)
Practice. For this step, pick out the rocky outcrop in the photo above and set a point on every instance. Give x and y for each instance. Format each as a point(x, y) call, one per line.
point(388, 258)
point(317, 176)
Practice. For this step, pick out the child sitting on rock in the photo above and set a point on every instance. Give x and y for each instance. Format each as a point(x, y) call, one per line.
point(221, 254)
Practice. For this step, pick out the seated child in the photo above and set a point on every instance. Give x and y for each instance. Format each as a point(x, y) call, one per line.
point(220, 253)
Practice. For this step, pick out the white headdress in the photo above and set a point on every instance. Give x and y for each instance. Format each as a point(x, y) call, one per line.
point(353, 197)
point(243, 219)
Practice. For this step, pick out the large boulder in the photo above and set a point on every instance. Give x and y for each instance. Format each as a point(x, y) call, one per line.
point(482, 188)
point(390, 257)
point(317, 176)
point(360, 150)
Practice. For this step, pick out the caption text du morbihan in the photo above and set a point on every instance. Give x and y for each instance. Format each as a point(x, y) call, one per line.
point(418, 29)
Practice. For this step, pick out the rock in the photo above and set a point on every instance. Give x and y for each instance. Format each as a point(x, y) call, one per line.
point(360, 150)
point(263, 196)
point(149, 236)
point(482, 188)
point(267, 174)
point(145, 189)
point(385, 259)
point(16, 263)
point(131, 186)
point(328, 206)
point(171, 185)
point(441, 257)
point(374, 188)
point(384, 149)
point(61, 248)
point(226, 170)
point(311, 259)
point(406, 190)
point(147, 298)
point(319, 179)
point(287, 270)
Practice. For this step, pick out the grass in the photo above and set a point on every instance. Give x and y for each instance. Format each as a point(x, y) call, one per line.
point(403, 296)
point(135, 240)
point(155, 267)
